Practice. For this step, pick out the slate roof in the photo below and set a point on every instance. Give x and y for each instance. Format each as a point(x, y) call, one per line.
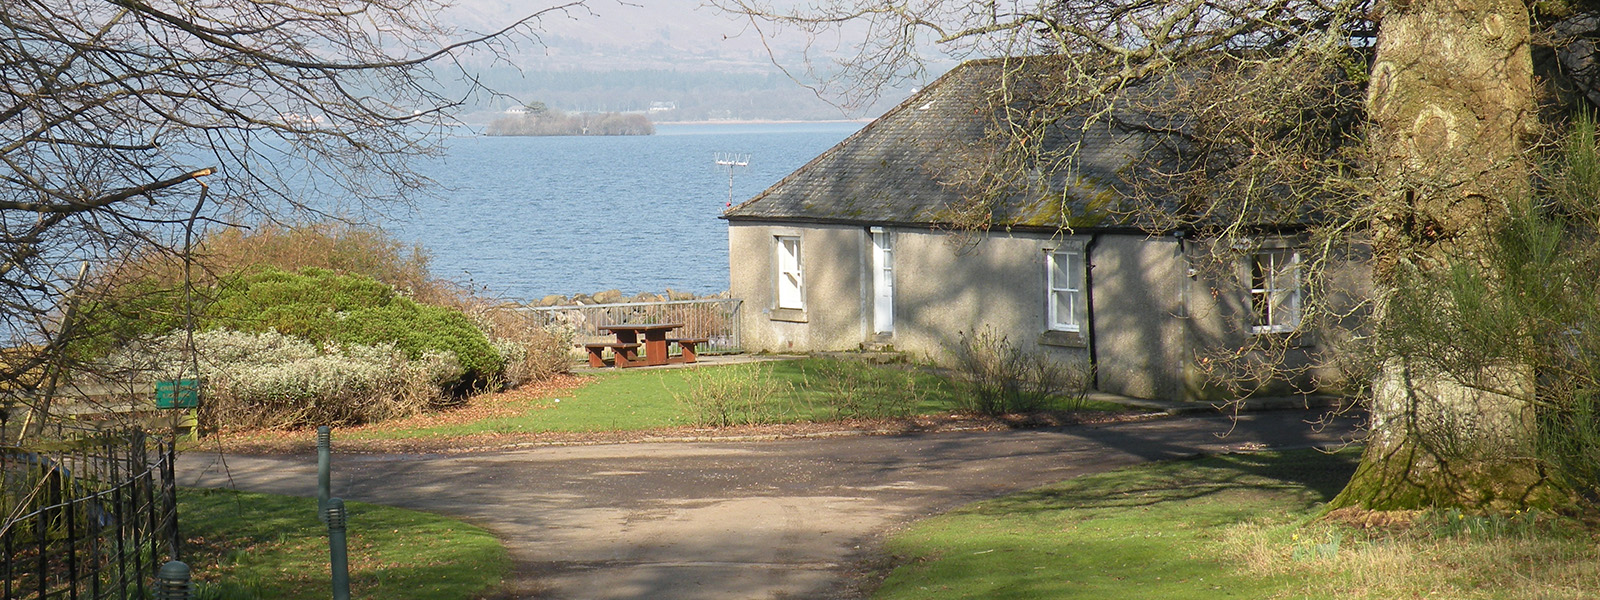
point(903, 168)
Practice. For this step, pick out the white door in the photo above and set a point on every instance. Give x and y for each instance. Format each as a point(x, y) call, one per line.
point(882, 281)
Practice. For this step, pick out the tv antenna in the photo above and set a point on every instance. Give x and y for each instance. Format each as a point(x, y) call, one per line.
point(731, 162)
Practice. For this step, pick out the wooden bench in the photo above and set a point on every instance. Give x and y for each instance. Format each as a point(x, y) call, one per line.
point(688, 344)
point(625, 354)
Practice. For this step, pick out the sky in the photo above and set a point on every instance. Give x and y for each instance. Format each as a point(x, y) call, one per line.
point(649, 34)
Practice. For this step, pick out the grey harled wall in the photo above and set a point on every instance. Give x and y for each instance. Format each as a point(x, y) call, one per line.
point(1276, 364)
point(831, 259)
point(1000, 283)
point(1138, 296)
point(1153, 317)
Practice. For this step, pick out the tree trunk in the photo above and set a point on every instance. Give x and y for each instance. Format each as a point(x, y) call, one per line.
point(1450, 104)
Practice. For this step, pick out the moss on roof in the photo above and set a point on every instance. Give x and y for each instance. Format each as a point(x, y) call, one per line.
point(899, 168)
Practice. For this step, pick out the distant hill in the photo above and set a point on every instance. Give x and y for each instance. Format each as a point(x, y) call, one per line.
point(627, 57)
point(611, 35)
point(544, 121)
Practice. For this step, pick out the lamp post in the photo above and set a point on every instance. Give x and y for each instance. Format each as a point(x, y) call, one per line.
point(324, 443)
point(172, 581)
point(338, 557)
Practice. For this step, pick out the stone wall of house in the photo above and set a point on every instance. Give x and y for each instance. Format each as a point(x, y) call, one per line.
point(1161, 306)
point(942, 293)
point(1229, 359)
point(1139, 283)
point(833, 290)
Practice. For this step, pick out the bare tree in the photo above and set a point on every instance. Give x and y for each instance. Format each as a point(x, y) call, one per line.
point(125, 125)
point(1403, 125)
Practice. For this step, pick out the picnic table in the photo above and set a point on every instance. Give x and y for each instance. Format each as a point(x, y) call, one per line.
point(657, 346)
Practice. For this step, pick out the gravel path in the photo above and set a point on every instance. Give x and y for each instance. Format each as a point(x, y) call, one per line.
point(736, 520)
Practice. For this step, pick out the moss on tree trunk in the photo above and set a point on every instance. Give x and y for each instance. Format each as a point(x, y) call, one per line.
point(1451, 104)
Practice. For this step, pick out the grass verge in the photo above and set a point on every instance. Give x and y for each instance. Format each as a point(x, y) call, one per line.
point(800, 390)
point(811, 390)
point(245, 546)
point(1237, 526)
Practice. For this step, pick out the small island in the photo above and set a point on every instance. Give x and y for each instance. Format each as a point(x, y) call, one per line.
point(538, 119)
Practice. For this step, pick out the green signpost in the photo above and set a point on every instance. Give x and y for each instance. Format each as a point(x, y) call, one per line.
point(178, 393)
point(181, 394)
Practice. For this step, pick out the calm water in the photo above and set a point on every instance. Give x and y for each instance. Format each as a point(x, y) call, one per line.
point(530, 216)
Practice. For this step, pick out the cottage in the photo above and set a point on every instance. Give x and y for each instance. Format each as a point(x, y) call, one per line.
point(854, 250)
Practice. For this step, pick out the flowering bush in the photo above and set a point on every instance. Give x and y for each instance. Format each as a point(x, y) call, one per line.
point(318, 305)
point(273, 380)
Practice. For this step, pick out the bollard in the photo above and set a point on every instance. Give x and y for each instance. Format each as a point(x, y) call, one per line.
point(172, 581)
point(338, 558)
point(324, 444)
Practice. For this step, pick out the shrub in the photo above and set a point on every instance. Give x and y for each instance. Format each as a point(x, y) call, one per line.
point(333, 245)
point(322, 307)
point(1001, 378)
point(855, 389)
point(419, 329)
point(272, 380)
point(529, 349)
point(1569, 443)
point(732, 395)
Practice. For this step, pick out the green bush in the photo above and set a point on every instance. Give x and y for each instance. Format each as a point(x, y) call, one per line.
point(318, 305)
point(418, 329)
point(306, 304)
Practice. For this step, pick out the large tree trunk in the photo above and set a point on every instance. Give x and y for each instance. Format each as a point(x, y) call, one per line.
point(1451, 104)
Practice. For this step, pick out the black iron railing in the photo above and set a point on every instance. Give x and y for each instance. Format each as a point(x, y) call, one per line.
point(93, 518)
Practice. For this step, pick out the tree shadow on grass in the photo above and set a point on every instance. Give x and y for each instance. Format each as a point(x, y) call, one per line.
point(1317, 476)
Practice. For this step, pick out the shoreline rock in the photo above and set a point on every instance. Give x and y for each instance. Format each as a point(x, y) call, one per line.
point(615, 296)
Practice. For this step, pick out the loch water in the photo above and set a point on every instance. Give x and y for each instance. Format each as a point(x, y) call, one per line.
point(522, 217)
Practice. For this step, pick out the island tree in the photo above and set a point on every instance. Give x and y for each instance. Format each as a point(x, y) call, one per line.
point(125, 125)
point(1403, 125)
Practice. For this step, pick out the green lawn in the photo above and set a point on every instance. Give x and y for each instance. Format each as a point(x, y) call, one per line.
point(1229, 527)
point(245, 546)
point(811, 389)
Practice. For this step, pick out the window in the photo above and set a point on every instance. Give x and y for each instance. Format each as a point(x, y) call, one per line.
point(1275, 290)
point(789, 279)
point(1066, 299)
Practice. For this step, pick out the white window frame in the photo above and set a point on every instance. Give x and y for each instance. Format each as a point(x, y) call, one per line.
point(1277, 295)
point(1072, 291)
point(789, 292)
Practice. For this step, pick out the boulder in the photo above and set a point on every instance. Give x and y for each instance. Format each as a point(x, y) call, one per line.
point(553, 300)
point(583, 299)
point(608, 297)
point(647, 297)
point(673, 294)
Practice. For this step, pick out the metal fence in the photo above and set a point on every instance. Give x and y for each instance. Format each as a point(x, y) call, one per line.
point(94, 520)
point(715, 320)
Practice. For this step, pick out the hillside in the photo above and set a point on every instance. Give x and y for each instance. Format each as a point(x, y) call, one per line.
point(617, 57)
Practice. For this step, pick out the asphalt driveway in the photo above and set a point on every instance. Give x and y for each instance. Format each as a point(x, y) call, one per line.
point(735, 520)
